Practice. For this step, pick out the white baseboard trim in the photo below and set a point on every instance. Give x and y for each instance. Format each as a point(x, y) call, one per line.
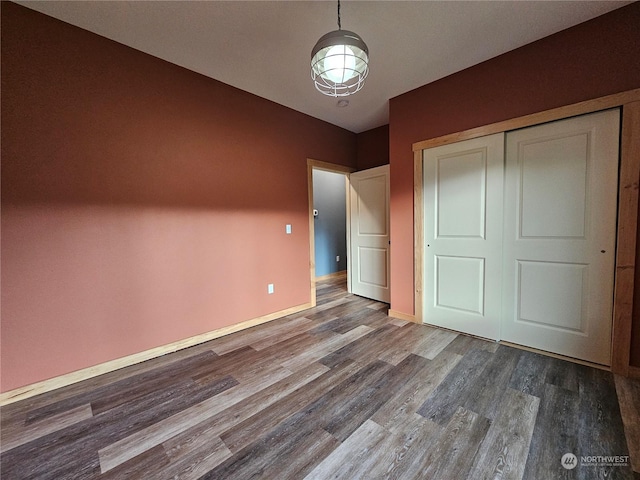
point(402, 316)
point(48, 385)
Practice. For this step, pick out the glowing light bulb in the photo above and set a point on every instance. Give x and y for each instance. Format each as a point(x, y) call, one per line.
point(339, 64)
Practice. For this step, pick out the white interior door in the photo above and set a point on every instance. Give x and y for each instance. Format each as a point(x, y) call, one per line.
point(463, 187)
point(369, 231)
point(560, 232)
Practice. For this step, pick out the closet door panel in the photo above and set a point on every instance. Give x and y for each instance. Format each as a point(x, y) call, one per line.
point(463, 186)
point(559, 236)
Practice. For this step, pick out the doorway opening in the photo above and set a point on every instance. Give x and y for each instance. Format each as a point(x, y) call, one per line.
point(324, 249)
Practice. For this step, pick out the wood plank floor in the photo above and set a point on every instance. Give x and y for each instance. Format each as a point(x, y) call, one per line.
point(339, 391)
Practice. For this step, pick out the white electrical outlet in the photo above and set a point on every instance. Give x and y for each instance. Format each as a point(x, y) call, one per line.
point(270, 288)
point(337, 258)
point(288, 229)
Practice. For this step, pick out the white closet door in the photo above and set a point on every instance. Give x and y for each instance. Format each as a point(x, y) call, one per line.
point(560, 231)
point(369, 269)
point(463, 188)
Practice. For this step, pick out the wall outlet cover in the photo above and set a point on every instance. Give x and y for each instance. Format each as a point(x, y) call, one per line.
point(270, 288)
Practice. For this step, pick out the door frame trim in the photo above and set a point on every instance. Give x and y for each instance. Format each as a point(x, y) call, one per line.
point(333, 168)
point(628, 183)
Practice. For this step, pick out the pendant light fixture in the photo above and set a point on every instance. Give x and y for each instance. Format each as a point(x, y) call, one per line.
point(339, 62)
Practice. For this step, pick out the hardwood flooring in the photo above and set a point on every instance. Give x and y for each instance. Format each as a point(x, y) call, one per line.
point(338, 391)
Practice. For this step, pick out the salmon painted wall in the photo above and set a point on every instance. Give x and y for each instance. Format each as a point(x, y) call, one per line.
point(373, 148)
point(590, 60)
point(141, 203)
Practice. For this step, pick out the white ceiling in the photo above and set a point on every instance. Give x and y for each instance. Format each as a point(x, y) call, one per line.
point(264, 47)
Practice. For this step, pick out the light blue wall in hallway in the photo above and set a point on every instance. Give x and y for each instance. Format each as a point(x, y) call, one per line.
point(330, 199)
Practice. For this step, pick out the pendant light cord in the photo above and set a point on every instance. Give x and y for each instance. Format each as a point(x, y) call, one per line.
point(339, 26)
